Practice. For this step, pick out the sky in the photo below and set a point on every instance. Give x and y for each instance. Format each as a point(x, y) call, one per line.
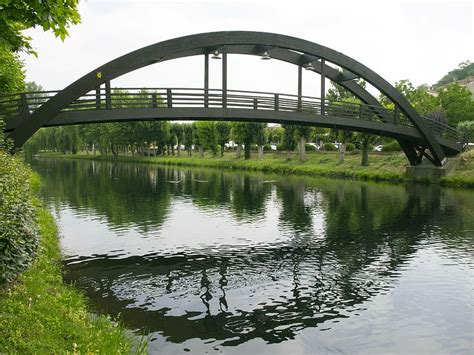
point(418, 40)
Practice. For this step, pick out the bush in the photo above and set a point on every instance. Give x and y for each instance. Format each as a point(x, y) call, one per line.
point(310, 148)
point(18, 230)
point(467, 131)
point(350, 147)
point(392, 147)
point(329, 147)
point(280, 147)
point(267, 148)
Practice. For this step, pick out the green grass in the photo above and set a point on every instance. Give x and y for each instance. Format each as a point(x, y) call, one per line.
point(41, 314)
point(382, 166)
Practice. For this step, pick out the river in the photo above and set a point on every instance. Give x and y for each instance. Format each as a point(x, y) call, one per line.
point(235, 262)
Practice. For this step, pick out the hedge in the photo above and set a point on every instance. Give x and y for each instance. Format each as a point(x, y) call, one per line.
point(18, 229)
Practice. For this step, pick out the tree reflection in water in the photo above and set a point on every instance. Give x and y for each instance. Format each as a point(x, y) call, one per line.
point(345, 243)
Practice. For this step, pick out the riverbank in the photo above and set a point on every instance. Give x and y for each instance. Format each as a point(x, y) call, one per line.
point(382, 167)
point(38, 312)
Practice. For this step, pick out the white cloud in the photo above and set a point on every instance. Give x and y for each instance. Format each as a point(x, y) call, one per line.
point(418, 40)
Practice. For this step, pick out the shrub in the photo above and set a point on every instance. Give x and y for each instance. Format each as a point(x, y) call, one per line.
point(350, 147)
point(329, 147)
point(18, 230)
point(310, 148)
point(267, 148)
point(467, 131)
point(392, 147)
point(280, 147)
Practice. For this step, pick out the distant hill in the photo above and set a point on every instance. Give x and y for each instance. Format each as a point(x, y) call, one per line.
point(463, 75)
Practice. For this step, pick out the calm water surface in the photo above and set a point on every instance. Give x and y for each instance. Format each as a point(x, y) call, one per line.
point(214, 261)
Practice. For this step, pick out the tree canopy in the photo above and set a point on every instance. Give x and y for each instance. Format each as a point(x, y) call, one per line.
point(18, 15)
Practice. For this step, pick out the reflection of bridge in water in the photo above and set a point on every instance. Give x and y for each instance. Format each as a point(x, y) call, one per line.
point(271, 291)
point(91, 99)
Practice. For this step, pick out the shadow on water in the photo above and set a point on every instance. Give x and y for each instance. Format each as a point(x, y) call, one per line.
point(337, 245)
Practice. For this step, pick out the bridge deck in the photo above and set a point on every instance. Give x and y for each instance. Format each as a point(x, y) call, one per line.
point(105, 105)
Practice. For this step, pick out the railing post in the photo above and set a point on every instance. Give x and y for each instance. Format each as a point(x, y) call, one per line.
point(255, 103)
point(169, 98)
point(300, 86)
point(277, 102)
point(361, 112)
point(97, 98)
point(396, 115)
point(206, 80)
point(323, 87)
point(24, 110)
point(108, 98)
point(154, 100)
point(224, 77)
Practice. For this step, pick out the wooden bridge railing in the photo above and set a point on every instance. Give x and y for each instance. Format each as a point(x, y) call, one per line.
point(22, 104)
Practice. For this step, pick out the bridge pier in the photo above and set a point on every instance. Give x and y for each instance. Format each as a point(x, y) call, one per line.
point(426, 170)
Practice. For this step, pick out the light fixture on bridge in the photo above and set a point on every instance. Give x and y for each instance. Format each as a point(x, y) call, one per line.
point(309, 66)
point(215, 55)
point(265, 56)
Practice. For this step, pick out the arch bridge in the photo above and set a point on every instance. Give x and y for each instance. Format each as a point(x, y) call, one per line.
point(90, 99)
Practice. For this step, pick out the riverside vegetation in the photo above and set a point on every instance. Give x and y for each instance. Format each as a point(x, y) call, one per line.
point(383, 166)
point(38, 312)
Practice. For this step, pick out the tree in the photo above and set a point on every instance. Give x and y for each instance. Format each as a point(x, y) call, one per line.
point(343, 137)
point(237, 134)
point(419, 97)
point(244, 133)
point(288, 140)
point(260, 138)
point(178, 131)
point(303, 134)
point(19, 15)
point(457, 102)
point(12, 74)
point(338, 93)
point(319, 135)
point(467, 131)
point(206, 130)
point(275, 134)
point(366, 141)
point(188, 137)
point(197, 139)
point(223, 134)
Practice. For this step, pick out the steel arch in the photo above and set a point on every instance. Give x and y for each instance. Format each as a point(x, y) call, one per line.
point(290, 48)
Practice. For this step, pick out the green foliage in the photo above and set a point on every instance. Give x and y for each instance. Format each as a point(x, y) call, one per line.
point(245, 133)
point(393, 146)
point(223, 134)
point(188, 137)
point(260, 134)
point(329, 147)
point(310, 148)
point(12, 74)
point(338, 93)
point(467, 131)
point(40, 314)
point(18, 232)
point(207, 135)
point(275, 134)
point(18, 15)
point(456, 100)
point(289, 141)
point(465, 70)
point(350, 147)
point(419, 97)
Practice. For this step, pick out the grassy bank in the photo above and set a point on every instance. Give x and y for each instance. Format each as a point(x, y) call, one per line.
point(41, 314)
point(383, 167)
